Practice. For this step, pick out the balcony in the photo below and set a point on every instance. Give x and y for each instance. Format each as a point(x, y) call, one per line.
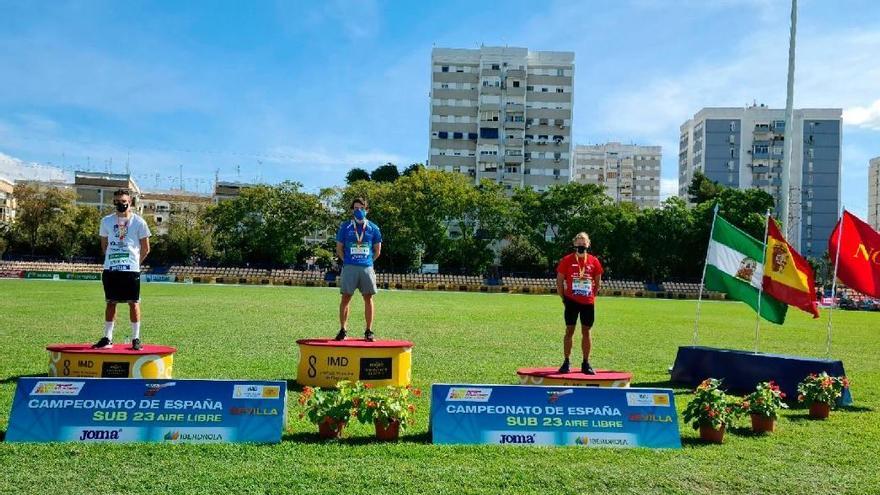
point(513, 159)
point(514, 125)
point(513, 142)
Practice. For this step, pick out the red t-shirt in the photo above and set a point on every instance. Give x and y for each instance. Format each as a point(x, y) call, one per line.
point(580, 277)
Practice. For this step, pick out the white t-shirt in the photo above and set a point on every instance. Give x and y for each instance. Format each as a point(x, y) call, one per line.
point(123, 242)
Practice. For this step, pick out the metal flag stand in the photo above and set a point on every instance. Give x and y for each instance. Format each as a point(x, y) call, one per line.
point(703, 279)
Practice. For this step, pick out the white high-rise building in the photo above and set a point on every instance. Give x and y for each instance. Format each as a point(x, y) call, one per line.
point(743, 147)
point(629, 173)
point(502, 113)
point(874, 193)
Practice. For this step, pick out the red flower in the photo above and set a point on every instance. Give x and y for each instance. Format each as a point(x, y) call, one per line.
point(371, 404)
point(745, 404)
point(801, 398)
point(711, 414)
point(781, 395)
point(411, 408)
point(417, 392)
point(368, 385)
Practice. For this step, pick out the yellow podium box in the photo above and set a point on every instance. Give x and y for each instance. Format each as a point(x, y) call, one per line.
point(80, 360)
point(550, 376)
point(325, 362)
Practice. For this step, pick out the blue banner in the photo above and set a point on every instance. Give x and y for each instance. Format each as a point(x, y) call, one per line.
point(532, 415)
point(134, 410)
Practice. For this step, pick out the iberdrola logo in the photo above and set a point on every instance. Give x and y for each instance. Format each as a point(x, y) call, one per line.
point(172, 435)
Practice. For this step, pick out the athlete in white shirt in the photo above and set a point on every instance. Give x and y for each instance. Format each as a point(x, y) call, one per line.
point(125, 241)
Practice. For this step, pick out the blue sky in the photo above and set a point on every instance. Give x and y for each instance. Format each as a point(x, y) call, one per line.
point(306, 90)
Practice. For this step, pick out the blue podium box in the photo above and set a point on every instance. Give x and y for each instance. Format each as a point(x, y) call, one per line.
point(742, 371)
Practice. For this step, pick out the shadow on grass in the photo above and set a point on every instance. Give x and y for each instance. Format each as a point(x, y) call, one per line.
point(745, 431)
point(309, 437)
point(696, 442)
point(677, 388)
point(14, 379)
point(293, 386)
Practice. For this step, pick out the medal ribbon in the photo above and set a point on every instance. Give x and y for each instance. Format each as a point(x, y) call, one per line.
point(359, 237)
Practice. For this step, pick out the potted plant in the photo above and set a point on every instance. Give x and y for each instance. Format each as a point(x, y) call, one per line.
point(821, 393)
point(710, 411)
point(330, 410)
point(763, 405)
point(390, 409)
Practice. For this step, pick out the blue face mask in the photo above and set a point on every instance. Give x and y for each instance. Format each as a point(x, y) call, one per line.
point(360, 214)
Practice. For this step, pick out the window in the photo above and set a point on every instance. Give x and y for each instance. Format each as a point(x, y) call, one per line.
point(443, 135)
point(732, 125)
point(488, 133)
point(472, 135)
point(545, 89)
point(515, 84)
point(457, 135)
point(560, 72)
point(530, 88)
point(559, 90)
point(445, 68)
point(444, 86)
point(496, 67)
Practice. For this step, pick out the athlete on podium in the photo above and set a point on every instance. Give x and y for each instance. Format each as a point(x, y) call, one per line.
point(358, 245)
point(578, 276)
point(125, 240)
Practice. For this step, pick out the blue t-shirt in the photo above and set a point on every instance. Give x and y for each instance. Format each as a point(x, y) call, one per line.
point(354, 253)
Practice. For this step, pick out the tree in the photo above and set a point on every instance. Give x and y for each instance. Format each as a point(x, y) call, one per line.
point(415, 167)
point(702, 189)
point(266, 224)
point(521, 257)
point(385, 173)
point(73, 232)
point(37, 209)
point(550, 219)
point(189, 237)
point(355, 175)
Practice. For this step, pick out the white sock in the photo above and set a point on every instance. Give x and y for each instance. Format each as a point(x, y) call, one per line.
point(108, 330)
point(135, 330)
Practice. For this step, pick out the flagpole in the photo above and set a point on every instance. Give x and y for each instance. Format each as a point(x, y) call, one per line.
point(703, 278)
point(761, 287)
point(834, 286)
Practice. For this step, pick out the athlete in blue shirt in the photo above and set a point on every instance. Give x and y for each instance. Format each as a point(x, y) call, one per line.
point(358, 245)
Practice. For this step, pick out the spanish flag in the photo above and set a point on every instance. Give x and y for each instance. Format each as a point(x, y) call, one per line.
point(787, 275)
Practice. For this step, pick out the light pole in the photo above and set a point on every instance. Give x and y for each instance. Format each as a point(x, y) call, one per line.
point(789, 133)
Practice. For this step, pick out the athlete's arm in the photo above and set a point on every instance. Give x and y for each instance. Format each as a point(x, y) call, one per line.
point(597, 282)
point(145, 249)
point(103, 246)
point(339, 253)
point(560, 285)
point(377, 251)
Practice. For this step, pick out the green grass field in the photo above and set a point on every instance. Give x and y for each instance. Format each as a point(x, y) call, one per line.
point(250, 332)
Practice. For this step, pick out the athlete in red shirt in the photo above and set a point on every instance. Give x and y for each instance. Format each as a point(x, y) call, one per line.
point(578, 276)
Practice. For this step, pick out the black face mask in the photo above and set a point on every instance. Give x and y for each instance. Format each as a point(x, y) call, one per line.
point(581, 249)
point(121, 207)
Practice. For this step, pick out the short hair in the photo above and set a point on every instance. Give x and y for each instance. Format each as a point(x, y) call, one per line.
point(581, 234)
point(359, 200)
point(121, 192)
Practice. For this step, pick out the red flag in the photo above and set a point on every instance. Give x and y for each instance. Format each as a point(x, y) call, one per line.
point(787, 275)
point(859, 265)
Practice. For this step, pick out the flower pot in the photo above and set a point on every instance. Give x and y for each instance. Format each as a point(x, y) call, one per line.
point(711, 435)
point(331, 428)
point(820, 410)
point(391, 431)
point(763, 424)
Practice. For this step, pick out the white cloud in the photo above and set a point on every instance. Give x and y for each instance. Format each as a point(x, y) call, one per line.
point(863, 116)
point(13, 169)
point(668, 188)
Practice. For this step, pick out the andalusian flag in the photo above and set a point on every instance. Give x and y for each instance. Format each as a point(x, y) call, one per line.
point(787, 275)
point(735, 266)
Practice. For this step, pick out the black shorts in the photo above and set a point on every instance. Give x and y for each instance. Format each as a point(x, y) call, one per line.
point(121, 286)
point(573, 309)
